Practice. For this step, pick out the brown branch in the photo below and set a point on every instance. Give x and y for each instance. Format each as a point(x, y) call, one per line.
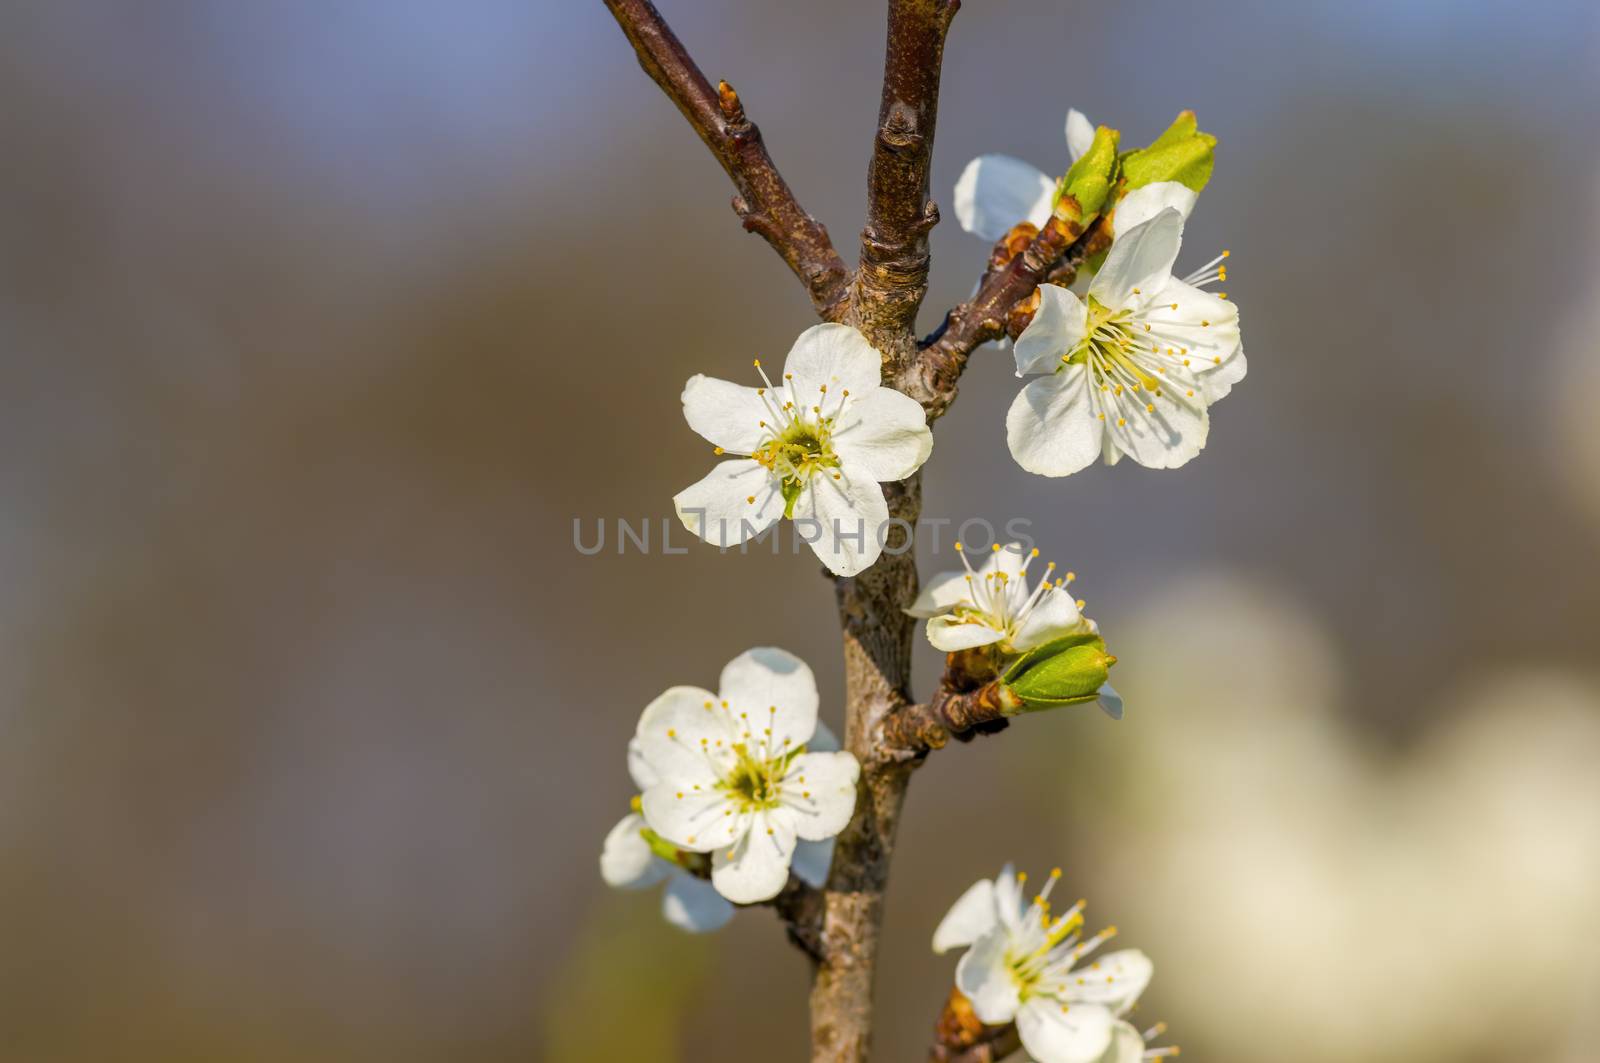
point(916, 729)
point(894, 245)
point(763, 200)
point(1059, 245)
point(877, 658)
point(960, 1037)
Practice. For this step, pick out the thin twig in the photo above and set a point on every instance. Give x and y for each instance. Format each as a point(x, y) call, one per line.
point(983, 317)
point(763, 200)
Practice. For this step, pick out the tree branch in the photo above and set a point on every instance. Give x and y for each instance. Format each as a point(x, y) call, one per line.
point(960, 1037)
point(894, 245)
point(877, 657)
point(938, 368)
point(763, 200)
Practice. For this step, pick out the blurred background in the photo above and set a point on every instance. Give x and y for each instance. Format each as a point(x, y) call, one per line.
point(324, 322)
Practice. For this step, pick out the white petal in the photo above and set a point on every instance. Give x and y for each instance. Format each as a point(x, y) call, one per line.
point(985, 977)
point(697, 820)
point(766, 678)
point(1080, 1034)
point(1008, 903)
point(971, 917)
point(849, 512)
point(835, 355)
point(727, 414)
point(693, 904)
point(755, 867)
point(1168, 435)
point(941, 594)
point(1051, 427)
point(1053, 616)
point(811, 861)
point(1144, 203)
point(1127, 1045)
point(1057, 327)
point(995, 192)
point(1142, 258)
point(883, 434)
point(1008, 560)
point(639, 769)
point(819, 794)
point(626, 861)
point(949, 633)
point(1115, 980)
point(1080, 133)
point(719, 508)
point(1110, 701)
point(1203, 329)
point(675, 732)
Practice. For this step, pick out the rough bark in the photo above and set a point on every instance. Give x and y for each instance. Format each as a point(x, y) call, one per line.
point(877, 654)
point(893, 276)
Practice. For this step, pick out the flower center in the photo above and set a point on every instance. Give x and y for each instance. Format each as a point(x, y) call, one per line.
point(756, 782)
point(794, 454)
point(1105, 349)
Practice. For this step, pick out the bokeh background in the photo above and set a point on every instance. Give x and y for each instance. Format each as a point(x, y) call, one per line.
point(323, 322)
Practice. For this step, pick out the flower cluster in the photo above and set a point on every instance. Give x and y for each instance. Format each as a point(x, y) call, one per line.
point(1132, 366)
point(747, 775)
point(1025, 964)
point(743, 790)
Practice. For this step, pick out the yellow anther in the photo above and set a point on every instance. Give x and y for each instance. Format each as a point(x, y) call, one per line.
point(1149, 407)
point(750, 499)
point(757, 363)
point(1080, 603)
point(1122, 422)
point(1055, 872)
point(716, 450)
point(1190, 393)
point(671, 733)
point(1035, 552)
point(1226, 253)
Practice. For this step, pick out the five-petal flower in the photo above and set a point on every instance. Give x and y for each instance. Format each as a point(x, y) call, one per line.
point(1022, 966)
point(1131, 369)
point(734, 775)
point(814, 447)
point(689, 902)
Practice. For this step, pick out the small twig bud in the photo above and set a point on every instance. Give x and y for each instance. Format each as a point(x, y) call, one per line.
point(728, 100)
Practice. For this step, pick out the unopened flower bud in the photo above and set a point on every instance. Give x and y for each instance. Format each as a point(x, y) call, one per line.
point(1183, 154)
point(1065, 671)
point(1084, 190)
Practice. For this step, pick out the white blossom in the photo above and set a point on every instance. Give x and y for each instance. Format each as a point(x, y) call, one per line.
point(734, 773)
point(995, 192)
point(993, 605)
point(813, 447)
point(1025, 965)
point(1132, 368)
point(690, 902)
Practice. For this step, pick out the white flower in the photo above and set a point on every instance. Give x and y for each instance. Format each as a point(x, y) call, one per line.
point(993, 605)
point(815, 448)
point(1021, 966)
point(733, 773)
point(690, 902)
point(1132, 370)
point(995, 192)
